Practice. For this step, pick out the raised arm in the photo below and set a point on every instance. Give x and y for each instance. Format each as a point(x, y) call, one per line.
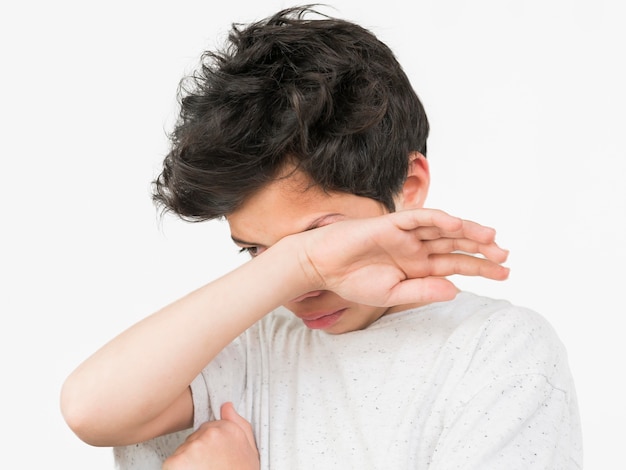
point(136, 386)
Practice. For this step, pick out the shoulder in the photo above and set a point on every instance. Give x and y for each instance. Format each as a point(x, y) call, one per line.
point(496, 320)
point(470, 321)
point(509, 370)
point(501, 339)
point(476, 340)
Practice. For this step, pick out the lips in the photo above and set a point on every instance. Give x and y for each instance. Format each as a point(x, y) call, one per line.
point(322, 320)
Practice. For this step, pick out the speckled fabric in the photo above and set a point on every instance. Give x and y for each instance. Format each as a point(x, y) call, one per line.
point(148, 455)
point(473, 383)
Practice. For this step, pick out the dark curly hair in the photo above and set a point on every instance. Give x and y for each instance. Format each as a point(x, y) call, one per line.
point(323, 93)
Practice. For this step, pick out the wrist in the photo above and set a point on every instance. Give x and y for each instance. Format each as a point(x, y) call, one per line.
point(298, 272)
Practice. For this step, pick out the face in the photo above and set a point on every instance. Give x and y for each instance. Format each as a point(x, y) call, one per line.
point(290, 205)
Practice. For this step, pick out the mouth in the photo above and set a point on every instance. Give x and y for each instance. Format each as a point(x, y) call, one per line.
point(322, 320)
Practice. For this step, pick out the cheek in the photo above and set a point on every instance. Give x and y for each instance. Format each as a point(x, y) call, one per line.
point(368, 315)
point(316, 300)
point(308, 295)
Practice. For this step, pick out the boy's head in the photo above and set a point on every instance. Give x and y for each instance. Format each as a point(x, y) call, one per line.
point(323, 95)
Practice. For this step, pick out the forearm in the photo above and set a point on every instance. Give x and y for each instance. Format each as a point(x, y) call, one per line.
point(116, 393)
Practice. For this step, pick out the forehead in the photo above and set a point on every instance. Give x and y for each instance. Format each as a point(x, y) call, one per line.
point(292, 190)
point(291, 204)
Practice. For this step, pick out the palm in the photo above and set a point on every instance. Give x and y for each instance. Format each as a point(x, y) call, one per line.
point(400, 257)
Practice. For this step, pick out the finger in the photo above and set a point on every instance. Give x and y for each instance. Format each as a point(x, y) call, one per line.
point(413, 219)
point(433, 233)
point(478, 232)
point(448, 245)
point(470, 230)
point(178, 460)
point(457, 263)
point(430, 224)
point(229, 413)
point(422, 290)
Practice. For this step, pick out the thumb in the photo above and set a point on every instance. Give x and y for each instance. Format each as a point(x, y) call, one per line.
point(229, 413)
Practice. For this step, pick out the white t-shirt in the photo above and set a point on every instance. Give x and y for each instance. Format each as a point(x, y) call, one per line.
point(473, 383)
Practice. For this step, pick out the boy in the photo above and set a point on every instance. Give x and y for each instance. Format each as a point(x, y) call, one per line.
point(341, 342)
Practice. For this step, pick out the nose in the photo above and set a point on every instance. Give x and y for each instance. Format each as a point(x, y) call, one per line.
point(314, 293)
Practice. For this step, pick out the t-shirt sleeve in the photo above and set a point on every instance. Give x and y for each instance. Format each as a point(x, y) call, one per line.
point(519, 422)
point(148, 455)
point(221, 381)
point(515, 407)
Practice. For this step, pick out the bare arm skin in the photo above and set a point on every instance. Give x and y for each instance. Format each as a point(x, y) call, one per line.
point(116, 397)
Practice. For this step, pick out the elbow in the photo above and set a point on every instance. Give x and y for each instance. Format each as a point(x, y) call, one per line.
point(97, 421)
point(82, 416)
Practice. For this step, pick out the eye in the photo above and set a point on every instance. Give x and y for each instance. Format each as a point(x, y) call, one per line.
point(251, 250)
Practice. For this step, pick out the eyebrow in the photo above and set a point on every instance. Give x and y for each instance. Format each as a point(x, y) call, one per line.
point(242, 242)
point(314, 224)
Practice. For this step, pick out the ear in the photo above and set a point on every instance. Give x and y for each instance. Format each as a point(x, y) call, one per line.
point(415, 188)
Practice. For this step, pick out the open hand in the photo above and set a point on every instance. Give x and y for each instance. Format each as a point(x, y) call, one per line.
point(400, 257)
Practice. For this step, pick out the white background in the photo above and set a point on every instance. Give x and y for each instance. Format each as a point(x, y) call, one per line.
point(527, 106)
